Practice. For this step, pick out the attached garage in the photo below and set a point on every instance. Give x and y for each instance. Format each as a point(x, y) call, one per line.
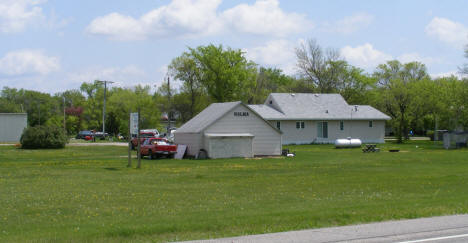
point(225, 130)
point(228, 145)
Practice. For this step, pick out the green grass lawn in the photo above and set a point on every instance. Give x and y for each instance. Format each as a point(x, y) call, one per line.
point(88, 193)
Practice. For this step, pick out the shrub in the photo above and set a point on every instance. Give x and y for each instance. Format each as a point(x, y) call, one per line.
point(430, 134)
point(43, 137)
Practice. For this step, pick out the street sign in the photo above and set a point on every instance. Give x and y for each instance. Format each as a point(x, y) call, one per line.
point(134, 123)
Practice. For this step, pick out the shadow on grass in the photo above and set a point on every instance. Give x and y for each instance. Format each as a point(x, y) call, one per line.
point(111, 168)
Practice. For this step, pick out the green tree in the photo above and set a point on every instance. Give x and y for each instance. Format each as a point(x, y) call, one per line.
point(396, 82)
point(39, 106)
point(269, 80)
point(318, 67)
point(184, 68)
point(224, 73)
point(464, 69)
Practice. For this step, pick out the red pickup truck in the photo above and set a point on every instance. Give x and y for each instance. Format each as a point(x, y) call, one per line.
point(143, 137)
point(157, 147)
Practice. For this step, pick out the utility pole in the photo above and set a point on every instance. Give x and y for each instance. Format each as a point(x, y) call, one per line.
point(104, 105)
point(129, 141)
point(64, 117)
point(169, 105)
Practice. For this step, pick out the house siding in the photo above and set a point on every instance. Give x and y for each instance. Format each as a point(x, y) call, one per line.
point(266, 141)
point(354, 129)
point(192, 140)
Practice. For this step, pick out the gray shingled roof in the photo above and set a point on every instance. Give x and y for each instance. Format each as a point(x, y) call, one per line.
point(205, 118)
point(268, 112)
point(301, 106)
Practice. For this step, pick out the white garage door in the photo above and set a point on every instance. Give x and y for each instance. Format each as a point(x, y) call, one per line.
point(229, 145)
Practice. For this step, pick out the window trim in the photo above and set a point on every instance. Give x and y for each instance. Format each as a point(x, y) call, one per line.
point(341, 125)
point(300, 125)
point(278, 125)
point(371, 123)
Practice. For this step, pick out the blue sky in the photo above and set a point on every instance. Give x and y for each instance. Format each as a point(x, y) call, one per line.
point(52, 45)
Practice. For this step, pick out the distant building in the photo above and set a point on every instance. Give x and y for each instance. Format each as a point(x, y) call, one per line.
point(306, 118)
point(12, 126)
point(225, 130)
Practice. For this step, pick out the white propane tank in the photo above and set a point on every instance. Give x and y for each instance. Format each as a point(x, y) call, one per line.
point(348, 143)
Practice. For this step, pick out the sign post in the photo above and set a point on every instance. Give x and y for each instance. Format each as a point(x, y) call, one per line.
point(134, 123)
point(129, 138)
point(139, 142)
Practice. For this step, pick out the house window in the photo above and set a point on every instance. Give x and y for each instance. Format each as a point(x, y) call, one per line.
point(370, 124)
point(271, 102)
point(278, 125)
point(300, 125)
point(322, 129)
point(341, 125)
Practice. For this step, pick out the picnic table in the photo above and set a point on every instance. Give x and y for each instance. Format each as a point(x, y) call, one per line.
point(370, 148)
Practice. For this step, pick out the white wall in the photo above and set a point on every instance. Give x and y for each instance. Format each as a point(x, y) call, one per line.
point(267, 140)
point(229, 147)
point(354, 129)
point(194, 142)
point(12, 126)
point(292, 135)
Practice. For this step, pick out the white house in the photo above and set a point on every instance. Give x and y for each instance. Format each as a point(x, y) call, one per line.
point(321, 118)
point(227, 130)
point(12, 126)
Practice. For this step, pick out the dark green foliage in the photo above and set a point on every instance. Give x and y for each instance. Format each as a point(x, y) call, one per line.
point(430, 134)
point(40, 137)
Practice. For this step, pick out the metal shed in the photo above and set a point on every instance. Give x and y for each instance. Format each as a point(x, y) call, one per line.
point(455, 139)
point(227, 130)
point(12, 126)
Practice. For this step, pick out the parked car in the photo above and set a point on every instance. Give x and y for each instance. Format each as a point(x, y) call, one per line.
point(84, 134)
point(157, 147)
point(101, 135)
point(170, 136)
point(90, 135)
point(144, 134)
point(155, 131)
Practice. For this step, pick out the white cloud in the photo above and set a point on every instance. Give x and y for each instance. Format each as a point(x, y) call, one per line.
point(179, 18)
point(22, 62)
point(189, 18)
point(127, 75)
point(415, 57)
point(447, 74)
point(349, 24)
point(276, 53)
point(16, 14)
point(448, 31)
point(265, 17)
point(364, 56)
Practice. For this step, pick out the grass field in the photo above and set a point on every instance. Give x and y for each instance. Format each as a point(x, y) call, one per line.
point(88, 193)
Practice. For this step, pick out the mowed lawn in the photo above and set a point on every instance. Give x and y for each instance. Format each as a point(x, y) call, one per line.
point(88, 193)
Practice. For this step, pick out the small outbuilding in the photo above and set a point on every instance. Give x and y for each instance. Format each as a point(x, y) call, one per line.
point(225, 130)
point(12, 126)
